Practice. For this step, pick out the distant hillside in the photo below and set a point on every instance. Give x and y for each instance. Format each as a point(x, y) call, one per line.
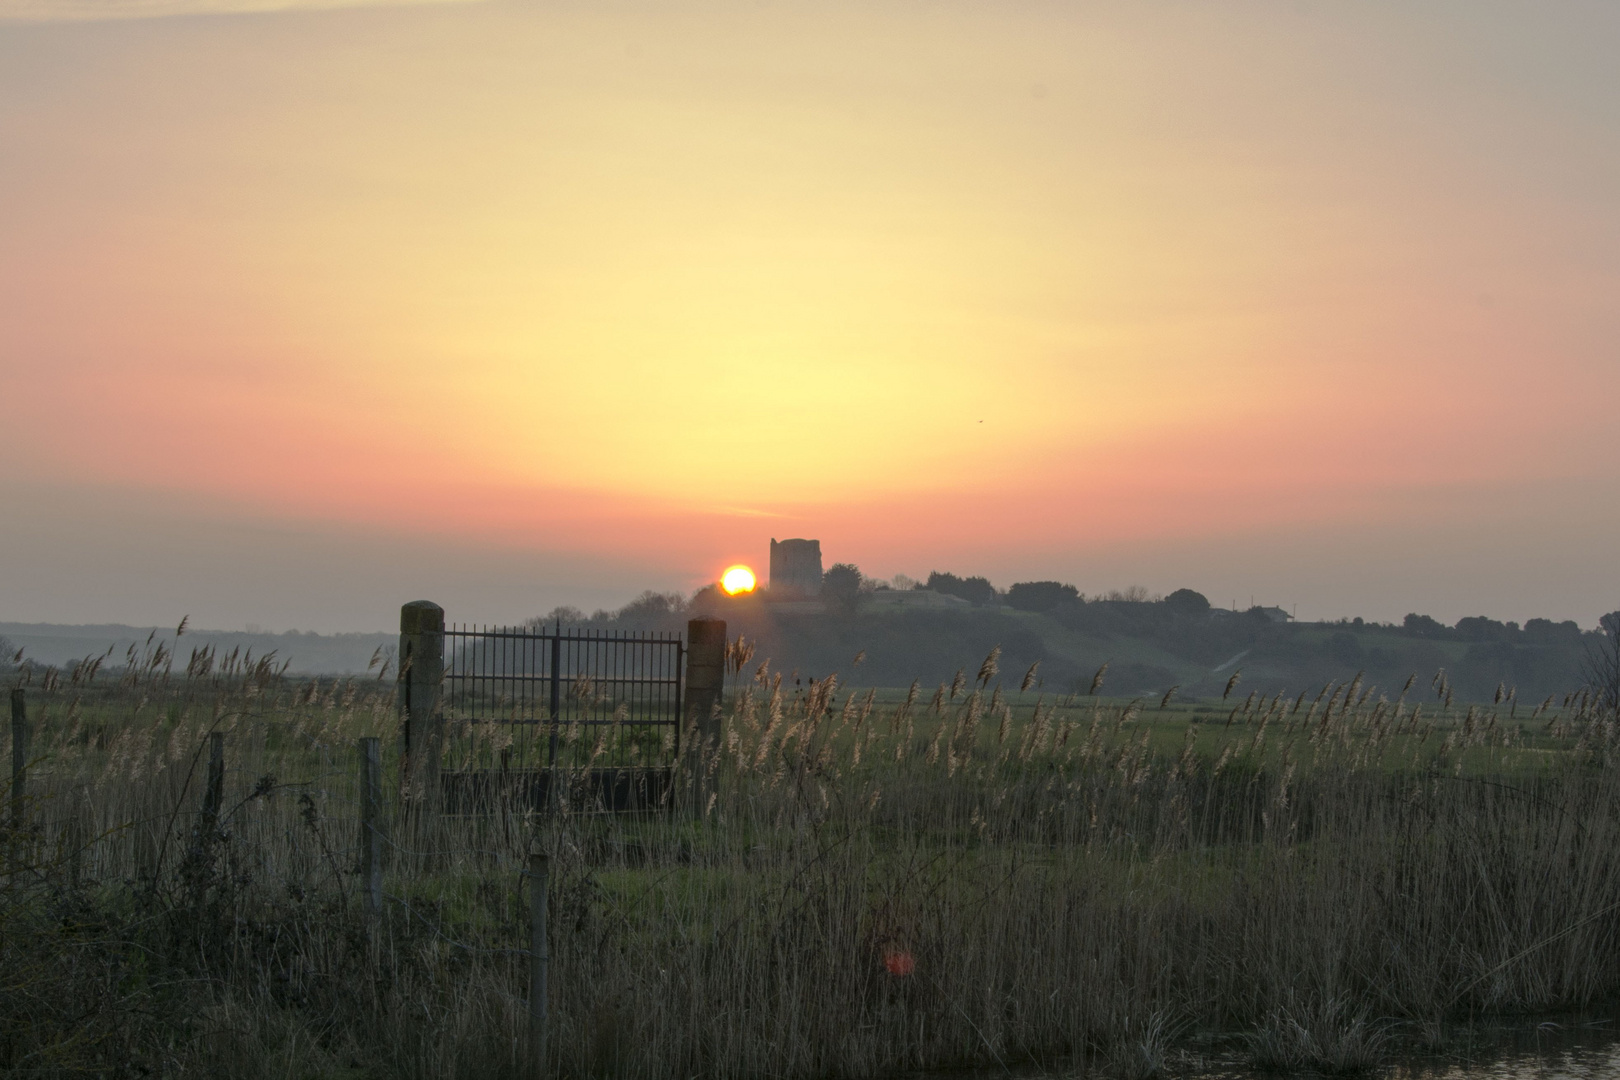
point(309, 653)
point(1149, 645)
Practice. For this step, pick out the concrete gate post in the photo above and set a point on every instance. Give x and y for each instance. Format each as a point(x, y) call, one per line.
point(705, 693)
point(421, 670)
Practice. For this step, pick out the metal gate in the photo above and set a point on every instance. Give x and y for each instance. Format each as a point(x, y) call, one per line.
point(534, 713)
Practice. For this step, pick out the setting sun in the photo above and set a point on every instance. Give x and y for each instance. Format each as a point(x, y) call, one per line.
point(737, 579)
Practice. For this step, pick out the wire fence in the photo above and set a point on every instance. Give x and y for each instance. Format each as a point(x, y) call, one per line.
point(534, 719)
point(128, 778)
point(529, 698)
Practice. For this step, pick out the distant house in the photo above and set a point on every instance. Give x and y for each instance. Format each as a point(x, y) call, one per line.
point(1275, 614)
point(795, 569)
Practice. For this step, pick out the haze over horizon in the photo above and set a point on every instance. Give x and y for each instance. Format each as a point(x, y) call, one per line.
point(308, 309)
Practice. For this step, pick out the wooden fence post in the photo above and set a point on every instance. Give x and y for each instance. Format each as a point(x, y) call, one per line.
point(421, 669)
point(214, 796)
point(370, 827)
point(539, 961)
point(19, 755)
point(705, 692)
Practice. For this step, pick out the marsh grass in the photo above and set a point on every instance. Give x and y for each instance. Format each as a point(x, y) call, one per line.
point(1328, 1036)
point(879, 883)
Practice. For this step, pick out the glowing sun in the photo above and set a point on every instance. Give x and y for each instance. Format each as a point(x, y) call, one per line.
point(737, 579)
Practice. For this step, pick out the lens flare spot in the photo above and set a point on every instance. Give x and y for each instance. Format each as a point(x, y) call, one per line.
point(737, 579)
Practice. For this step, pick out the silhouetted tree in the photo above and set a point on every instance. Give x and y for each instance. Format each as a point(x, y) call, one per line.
point(975, 590)
point(1547, 632)
point(841, 584)
point(1602, 663)
point(566, 614)
point(1040, 595)
point(1480, 628)
point(1187, 602)
point(1424, 626)
point(652, 606)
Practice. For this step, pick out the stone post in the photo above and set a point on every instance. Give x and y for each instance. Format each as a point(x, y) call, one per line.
point(705, 676)
point(421, 670)
point(705, 693)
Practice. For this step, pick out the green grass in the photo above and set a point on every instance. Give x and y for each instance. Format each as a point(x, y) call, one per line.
point(1079, 899)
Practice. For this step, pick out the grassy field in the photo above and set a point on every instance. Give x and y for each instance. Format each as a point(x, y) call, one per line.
point(871, 881)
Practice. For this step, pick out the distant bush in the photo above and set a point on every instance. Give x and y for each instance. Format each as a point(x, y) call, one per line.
point(1187, 602)
point(1131, 594)
point(841, 584)
point(1423, 626)
point(1040, 595)
point(975, 590)
point(1547, 632)
point(1479, 628)
point(566, 614)
point(1601, 664)
point(653, 605)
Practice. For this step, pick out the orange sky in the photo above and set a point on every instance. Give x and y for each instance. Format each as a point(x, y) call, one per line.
point(1314, 305)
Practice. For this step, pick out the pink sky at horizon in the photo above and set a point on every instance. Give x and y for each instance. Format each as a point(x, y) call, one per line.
point(1311, 305)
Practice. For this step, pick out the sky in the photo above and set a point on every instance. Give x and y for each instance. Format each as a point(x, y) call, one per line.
point(308, 309)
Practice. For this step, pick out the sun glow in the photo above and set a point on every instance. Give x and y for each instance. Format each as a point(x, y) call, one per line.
point(737, 579)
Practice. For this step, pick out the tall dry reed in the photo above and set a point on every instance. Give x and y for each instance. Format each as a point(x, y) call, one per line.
point(872, 887)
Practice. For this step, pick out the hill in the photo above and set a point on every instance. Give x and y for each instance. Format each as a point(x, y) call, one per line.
point(1148, 645)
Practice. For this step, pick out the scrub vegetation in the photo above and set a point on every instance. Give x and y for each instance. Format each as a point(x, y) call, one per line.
point(981, 872)
point(1150, 643)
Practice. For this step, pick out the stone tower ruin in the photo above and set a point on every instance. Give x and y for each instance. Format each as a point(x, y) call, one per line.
point(795, 568)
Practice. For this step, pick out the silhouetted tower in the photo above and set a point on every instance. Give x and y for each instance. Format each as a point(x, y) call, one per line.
point(795, 568)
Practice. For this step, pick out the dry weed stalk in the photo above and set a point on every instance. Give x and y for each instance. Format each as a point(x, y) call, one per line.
point(832, 904)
